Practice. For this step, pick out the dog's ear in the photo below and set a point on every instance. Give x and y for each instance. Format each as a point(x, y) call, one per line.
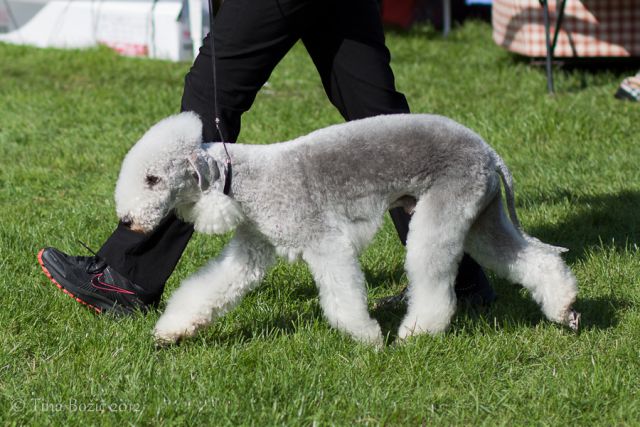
point(204, 168)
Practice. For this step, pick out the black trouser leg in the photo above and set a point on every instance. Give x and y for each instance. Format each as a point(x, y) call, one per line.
point(350, 54)
point(147, 260)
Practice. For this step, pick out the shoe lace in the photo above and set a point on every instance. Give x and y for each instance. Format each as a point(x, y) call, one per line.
point(97, 265)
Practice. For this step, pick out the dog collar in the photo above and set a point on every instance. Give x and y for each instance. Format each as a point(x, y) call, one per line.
point(227, 176)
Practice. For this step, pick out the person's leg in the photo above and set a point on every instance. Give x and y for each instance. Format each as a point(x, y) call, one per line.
point(347, 46)
point(147, 260)
point(251, 37)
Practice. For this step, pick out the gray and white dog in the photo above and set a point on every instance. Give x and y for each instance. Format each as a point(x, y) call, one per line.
point(322, 197)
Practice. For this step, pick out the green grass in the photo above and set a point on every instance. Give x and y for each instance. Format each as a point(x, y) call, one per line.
point(68, 117)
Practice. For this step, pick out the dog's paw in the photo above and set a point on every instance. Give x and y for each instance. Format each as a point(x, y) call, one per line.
point(162, 343)
point(165, 339)
point(370, 334)
point(171, 329)
point(406, 331)
point(413, 327)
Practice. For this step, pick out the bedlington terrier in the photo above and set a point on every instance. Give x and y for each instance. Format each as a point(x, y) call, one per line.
point(322, 197)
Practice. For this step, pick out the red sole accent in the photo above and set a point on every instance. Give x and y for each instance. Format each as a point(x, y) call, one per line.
point(96, 309)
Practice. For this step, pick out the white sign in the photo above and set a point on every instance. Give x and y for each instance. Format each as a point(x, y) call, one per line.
point(139, 28)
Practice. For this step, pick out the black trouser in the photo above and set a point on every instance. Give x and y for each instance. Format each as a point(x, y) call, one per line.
point(344, 39)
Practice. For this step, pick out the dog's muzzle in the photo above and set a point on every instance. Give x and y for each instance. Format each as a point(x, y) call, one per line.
point(127, 221)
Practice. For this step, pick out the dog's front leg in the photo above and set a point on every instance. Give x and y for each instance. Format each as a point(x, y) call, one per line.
point(341, 285)
point(217, 288)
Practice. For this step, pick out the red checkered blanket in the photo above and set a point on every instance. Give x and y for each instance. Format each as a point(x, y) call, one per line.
point(591, 28)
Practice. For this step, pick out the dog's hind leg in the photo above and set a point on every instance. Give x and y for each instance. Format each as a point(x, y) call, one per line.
point(496, 244)
point(435, 244)
point(217, 288)
point(342, 290)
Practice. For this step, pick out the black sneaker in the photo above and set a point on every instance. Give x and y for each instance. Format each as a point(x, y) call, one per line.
point(90, 281)
point(629, 89)
point(472, 285)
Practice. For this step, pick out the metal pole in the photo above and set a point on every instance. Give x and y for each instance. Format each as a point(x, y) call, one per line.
point(446, 17)
point(558, 25)
point(547, 31)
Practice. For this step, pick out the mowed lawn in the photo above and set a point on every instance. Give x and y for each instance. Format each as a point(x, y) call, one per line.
point(67, 118)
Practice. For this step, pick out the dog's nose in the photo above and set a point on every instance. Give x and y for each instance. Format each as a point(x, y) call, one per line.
point(126, 221)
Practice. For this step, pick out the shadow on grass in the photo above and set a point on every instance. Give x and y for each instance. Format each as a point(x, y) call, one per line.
point(384, 278)
point(598, 313)
point(512, 309)
point(606, 219)
point(283, 325)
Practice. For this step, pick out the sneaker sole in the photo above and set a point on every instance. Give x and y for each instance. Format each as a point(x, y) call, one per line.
point(97, 309)
point(625, 95)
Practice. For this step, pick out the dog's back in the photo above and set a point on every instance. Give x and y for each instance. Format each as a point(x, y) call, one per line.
point(392, 152)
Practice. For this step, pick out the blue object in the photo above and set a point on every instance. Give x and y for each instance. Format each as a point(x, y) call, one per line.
point(476, 2)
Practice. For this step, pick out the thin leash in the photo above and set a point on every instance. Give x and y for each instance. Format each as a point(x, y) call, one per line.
point(227, 163)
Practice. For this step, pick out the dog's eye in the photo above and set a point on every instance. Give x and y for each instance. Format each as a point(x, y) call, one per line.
point(151, 180)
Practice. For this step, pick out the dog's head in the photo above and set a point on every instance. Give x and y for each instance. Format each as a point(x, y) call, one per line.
point(165, 169)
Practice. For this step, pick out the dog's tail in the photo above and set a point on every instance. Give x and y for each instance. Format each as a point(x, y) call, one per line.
point(507, 181)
